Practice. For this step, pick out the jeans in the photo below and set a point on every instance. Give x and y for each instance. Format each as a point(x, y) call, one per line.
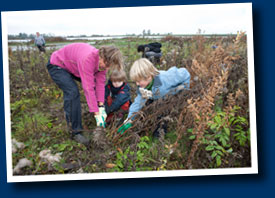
point(41, 48)
point(153, 57)
point(71, 96)
point(151, 53)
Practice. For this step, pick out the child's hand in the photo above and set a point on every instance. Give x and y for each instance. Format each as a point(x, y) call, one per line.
point(100, 121)
point(124, 127)
point(147, 94)
point(127, 124)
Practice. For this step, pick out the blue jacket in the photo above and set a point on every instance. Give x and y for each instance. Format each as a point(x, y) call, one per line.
point(119, 96)
point(39, 40)
point(164, 84)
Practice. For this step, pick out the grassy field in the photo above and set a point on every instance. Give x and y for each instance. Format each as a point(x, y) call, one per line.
point(208, 125)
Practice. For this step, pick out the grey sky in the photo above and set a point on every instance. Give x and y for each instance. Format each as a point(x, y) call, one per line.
point(186, 19)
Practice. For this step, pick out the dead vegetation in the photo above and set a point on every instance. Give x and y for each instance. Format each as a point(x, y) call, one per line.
point(216, 74)
point(198, 119)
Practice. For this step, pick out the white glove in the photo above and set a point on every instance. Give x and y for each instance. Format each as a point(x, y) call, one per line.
point(147, 94)
point(102, 112)
point(100, 120)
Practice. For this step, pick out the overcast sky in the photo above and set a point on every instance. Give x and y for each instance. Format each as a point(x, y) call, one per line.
point(184, 19)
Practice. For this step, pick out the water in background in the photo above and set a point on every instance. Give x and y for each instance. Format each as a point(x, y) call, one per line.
point(22, 42)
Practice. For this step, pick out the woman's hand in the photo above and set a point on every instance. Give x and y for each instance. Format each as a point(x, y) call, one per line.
point(100, 121)
point(102, 112)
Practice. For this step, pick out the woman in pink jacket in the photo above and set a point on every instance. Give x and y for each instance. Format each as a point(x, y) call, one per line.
point(83, 62)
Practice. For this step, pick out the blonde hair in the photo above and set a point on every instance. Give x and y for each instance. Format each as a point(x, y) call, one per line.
point(142, 69)
point(112, 57)
point(118, 76)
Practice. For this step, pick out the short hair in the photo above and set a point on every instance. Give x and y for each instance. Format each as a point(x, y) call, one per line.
point(140, 48)
point(118, 76)
point(142, 69)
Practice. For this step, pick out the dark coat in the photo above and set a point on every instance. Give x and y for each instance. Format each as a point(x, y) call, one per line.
point(154, 47)
point(119, 96)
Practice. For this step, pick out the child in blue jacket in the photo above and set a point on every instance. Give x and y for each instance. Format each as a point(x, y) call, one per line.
point(117, 96)
point(153, 85)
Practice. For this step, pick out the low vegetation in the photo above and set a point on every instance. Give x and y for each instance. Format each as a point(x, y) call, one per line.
point(208, 125)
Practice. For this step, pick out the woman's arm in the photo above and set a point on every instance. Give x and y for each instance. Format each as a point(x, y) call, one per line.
point(100, 79)
point(86, 71)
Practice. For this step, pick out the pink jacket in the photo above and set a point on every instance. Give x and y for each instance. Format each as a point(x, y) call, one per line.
point(81, 60)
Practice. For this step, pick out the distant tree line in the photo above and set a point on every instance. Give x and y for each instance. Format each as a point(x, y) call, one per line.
point(50, 35)
point(28, 36)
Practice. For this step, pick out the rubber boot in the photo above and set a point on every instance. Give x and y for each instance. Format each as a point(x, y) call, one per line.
point(78, 137)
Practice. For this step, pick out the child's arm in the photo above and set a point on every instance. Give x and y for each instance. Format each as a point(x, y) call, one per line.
point(177, 76)
point(100, 85)
point(119, 101)
point(136, 105)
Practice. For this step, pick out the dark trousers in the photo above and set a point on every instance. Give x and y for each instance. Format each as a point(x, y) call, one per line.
point(41, 48)
point(152, 56)
point(71, 96)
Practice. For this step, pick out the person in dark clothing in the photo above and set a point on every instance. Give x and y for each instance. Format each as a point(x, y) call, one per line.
point(117, 97)
point(151, 51)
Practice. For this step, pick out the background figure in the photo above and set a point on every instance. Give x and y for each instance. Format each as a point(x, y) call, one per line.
point(151, 51)
point(39, 42)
